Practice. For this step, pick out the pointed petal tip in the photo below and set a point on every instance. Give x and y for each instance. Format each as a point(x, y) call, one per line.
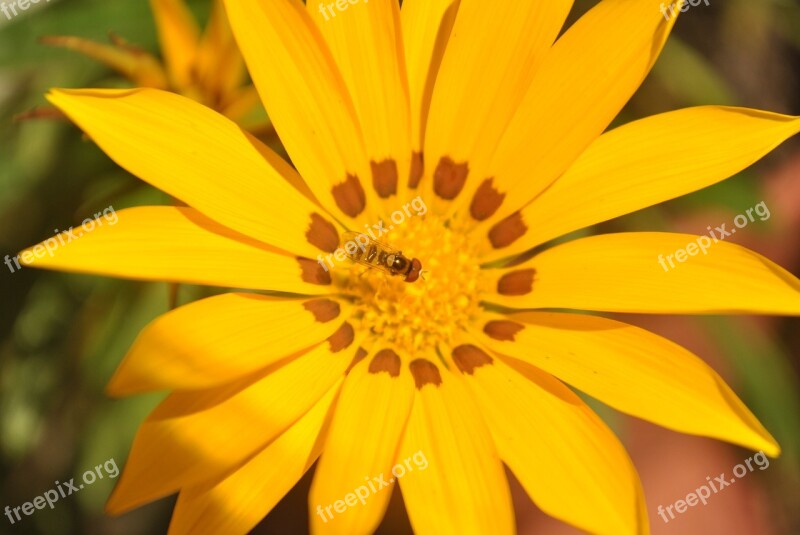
point(63, 93)
point(118, 387)
point(55, 40)
point(28, 258)
point(772, 448)
point(116, 505)
point(126, 383)
point(129, 492)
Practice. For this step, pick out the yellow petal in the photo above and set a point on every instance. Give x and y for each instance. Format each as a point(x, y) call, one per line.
point(631, 272)
point(647, 162)
point(426, 29)
point(307, 100)
point(354, 479)
point(586, 79)
point(493, 54)
point(219, 65)
point(193, 437)
point(235, 504)
point(560, 451)
point(216, 340)
point(136, 65)
point(174, 245)
point(366, 41)
point(240, 105)
point(460, 488)
point(178, 34)
point(629, 369)
point(203, 159)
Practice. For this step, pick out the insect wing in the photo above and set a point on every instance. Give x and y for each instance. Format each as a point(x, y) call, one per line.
point(368, 251)
point(364, 237)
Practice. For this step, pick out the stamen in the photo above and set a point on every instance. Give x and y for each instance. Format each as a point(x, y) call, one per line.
point(425, 373)
point(384, 178)
point(449, 178)
point(486, 200)
point(508, 231)
point(468, 358)
point(342, 338)
point(322, 234)
point(502, 330)
point(416, 318)
point(519, 282)
point(324, 310)
point(350, 196)
point(387, 361)
point(312, 272)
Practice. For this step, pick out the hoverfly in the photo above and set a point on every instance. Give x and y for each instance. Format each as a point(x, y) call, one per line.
point(375, 254)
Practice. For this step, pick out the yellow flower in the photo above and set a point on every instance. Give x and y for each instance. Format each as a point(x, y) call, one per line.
point(207, 68)
point(498, 128)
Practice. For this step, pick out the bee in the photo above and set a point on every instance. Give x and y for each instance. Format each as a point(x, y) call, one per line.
point(375, 254)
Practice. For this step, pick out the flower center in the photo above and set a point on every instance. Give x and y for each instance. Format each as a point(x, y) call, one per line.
point(421, 316)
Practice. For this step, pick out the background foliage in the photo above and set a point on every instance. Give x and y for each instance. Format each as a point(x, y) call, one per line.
point(61, 336)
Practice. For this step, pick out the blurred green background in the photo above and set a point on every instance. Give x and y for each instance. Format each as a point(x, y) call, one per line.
point(61, 336)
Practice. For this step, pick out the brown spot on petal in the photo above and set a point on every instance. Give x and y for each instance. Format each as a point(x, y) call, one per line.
point(360, 354)
point(417, 168)
point(507, 231)
point(425, 372)
point(518, 282)
point(342, 338)
point(350, 196)
point(322, 234)
point(486, 201)
point(384, 178)
point(502, 330)
point(313, 272)
point(449, 178)
point(387, 361)
point(468, 357)
point(324, 310)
